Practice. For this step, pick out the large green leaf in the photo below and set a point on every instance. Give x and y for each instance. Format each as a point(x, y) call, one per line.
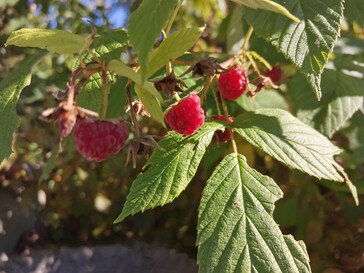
point(145, 27)
point(10, 89)
point(290, 141)
point(169, 172)
point(144, 87)
point(53, 40)
point(342, 96)
point(173, 47)
point(269, 6)
point(306, 44)
point(236, 230)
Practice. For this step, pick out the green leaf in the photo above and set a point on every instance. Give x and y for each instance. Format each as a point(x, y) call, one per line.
point(145, 27)
point(54, 40)
point(290, 141)
point(342, 96)
point(123, 70)
point(236, 230)
point(268, 98)
point(169, 172)
point(91, 94)
point(117, 99)
point(10, 89)
point(173, 47)
point(151, 103)
point(306, 44)
point(269, 6)
point(110, 45)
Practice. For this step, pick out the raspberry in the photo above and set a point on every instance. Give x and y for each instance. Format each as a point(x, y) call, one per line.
point(275, 74)
point(222, 136)
point(97, 140)
point(186, 116)
point(233, 83)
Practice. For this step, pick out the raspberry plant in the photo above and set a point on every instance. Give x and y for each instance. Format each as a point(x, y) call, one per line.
point(236, 231)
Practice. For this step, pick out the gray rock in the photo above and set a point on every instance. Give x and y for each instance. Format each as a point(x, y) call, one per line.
point(117, 258)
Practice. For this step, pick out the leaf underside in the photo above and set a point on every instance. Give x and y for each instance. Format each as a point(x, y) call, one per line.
point(169, 172)
point(236, 230)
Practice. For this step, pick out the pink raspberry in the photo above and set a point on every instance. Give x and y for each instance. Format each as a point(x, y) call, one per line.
point(223, 136)
point(232, 84)
point(275, 74)
point(97, 140)
point(186, 116)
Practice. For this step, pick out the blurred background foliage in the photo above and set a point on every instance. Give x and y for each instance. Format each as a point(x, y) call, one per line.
point(76, 201)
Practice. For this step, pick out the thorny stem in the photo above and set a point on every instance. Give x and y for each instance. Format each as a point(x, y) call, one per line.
point(226, 113)
point(133, 117)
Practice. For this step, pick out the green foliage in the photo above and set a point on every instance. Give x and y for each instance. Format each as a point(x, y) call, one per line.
point(173, 47)
point(236, 230)
point(306, 44)
point(152, 99)
point(54, 40)
point(269, 6)
point(145, 27)
point(169, 171)
point(290, 141)
point(342, 96)
point(10, 89)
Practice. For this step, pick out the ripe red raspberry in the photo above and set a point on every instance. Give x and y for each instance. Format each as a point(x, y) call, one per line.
point(223, 136)
point(97, 140)
point(275, 74)
point(232, 84)
point(186, 116)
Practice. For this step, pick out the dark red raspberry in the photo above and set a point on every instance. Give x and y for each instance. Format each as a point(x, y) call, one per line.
point(223, 136)
point(275, 74)
point(97, 140)
point(233, 83)
point(186, 116)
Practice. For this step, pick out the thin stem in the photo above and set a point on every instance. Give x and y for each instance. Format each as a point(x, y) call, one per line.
point(216, 99)
point(226, 113)
point(247, 38)
point(133, 117)
point(105, 94)
point(171, 19)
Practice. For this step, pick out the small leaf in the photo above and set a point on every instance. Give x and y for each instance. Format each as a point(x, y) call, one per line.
point(151, 103)
point(54, 40)
point(269, 6)
point(307, 44)
point(145, 26)
point(342, 96)
point(236, 230)
point(173, 47)
point(123, 70)
point(290, 141)
point(110, 45)
point(169, 172)
point(10, 89)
